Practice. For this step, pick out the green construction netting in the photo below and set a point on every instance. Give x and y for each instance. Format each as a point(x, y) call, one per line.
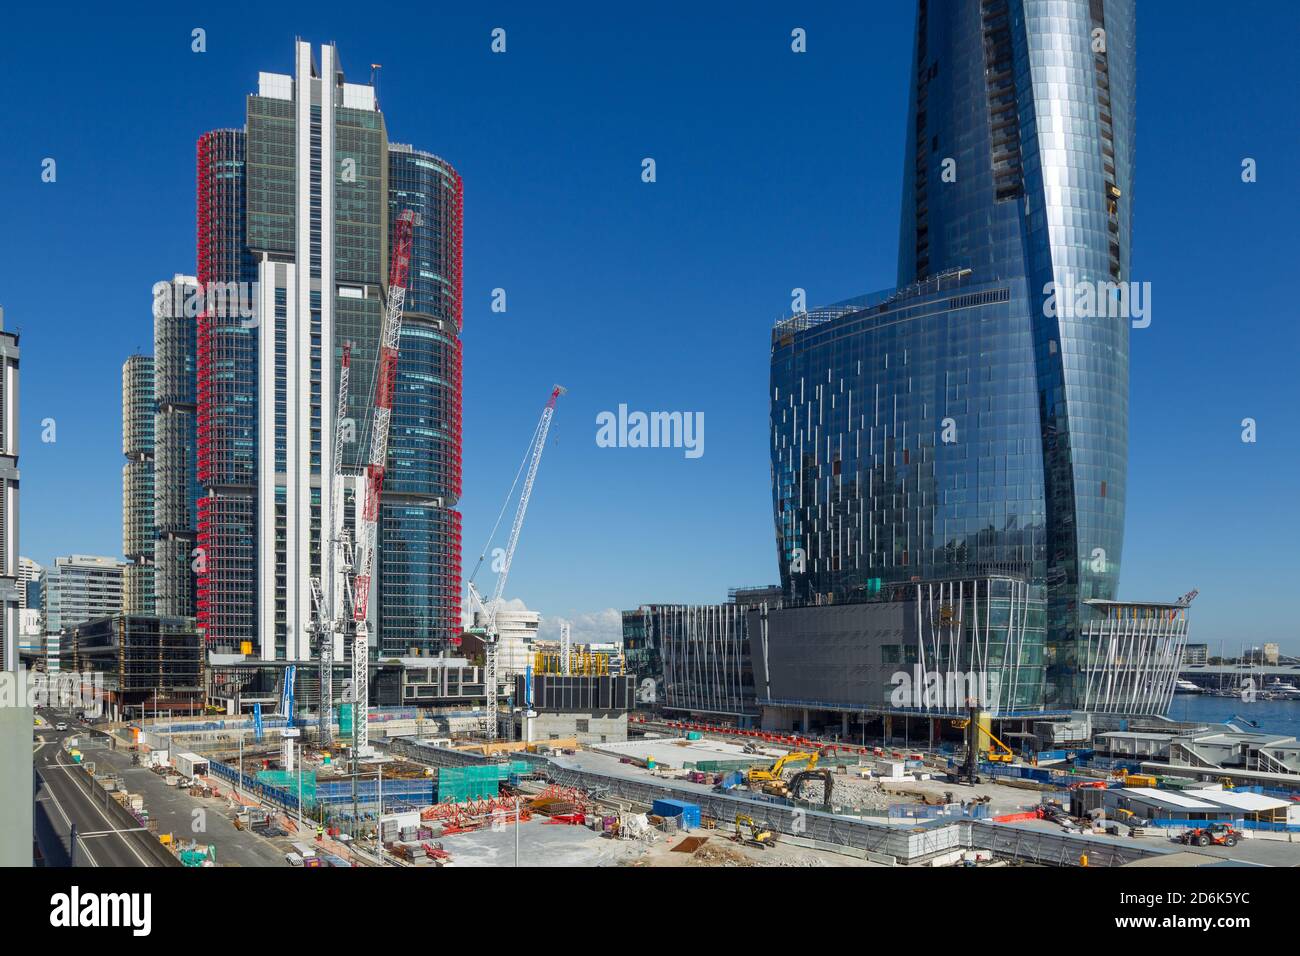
point(458, 784)
point(288, 782)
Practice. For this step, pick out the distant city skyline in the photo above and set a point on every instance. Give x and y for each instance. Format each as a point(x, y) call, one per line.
point(646, 294)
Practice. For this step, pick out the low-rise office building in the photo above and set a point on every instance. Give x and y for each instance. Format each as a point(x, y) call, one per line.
point(147, 663)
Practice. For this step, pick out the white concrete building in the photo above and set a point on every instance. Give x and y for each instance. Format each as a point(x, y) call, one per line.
point(29, 572)
point(79, 588)
point(517, 630)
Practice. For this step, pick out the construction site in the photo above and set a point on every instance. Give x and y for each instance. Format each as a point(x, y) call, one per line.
point(418, 761)
point(672, 794)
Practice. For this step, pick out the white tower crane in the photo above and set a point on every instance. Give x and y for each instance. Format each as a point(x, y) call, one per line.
point(489, 628)
point(329, 619)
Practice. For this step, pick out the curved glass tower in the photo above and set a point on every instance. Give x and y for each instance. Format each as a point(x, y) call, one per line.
point(966, 424)
point(419, 588)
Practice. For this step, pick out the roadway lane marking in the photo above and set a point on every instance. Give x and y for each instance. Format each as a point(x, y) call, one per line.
point(103, 816)
point(49, 792)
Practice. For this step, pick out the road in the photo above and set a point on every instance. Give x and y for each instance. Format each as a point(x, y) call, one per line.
point(107, 835)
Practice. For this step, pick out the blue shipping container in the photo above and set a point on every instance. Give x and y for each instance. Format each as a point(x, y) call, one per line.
point(689, 812)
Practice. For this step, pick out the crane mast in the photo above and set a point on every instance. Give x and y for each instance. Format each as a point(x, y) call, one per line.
point(329, 620)
point(367, 525)
point(490, 641)
point(566, 648)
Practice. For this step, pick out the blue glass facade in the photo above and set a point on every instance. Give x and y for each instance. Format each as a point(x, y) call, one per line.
point(962, 425)
point(419, 589)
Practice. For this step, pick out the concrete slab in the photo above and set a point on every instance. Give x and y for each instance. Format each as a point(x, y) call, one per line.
point(540, 844)
point(675, 751)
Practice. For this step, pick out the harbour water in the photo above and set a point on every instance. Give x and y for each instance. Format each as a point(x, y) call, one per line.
point(1272, 716)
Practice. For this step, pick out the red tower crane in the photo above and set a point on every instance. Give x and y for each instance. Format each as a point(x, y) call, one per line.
point(368, 522)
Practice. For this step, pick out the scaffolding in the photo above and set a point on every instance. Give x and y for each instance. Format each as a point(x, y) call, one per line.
point(147, 661)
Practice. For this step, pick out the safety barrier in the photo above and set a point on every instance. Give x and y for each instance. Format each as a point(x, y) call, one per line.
point(1185, 823)
point(950, 811)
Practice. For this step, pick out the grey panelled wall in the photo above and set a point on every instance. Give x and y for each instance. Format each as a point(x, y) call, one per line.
point(928, 649)
point(706, 659)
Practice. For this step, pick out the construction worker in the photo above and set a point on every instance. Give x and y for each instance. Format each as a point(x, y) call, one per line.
point(320, 832)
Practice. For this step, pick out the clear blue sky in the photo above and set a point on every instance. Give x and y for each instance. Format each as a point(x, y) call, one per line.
point(775, 170)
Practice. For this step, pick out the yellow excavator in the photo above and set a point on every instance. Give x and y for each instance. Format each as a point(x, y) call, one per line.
point(758, 776)
point(1003, 754)
point(757, 835)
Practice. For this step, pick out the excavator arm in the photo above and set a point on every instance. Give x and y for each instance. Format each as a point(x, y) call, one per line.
point(773, 773)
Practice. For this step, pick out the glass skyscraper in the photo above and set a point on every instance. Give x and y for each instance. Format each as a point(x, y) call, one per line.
point(176, 485)
point(138, 484)
point(961, 425)
point(420, 543)
point(298, 206)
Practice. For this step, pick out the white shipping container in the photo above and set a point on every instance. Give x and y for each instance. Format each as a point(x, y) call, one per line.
point(190, 764)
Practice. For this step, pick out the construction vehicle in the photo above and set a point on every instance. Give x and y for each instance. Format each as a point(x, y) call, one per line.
point(488, 630)
point(1003, 754)
point(757, 776)
point(757, 835)
point(1216, 834)
point(967, 771)
point(801, 778)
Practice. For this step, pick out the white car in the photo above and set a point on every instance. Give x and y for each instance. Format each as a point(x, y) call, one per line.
point(60, 726)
